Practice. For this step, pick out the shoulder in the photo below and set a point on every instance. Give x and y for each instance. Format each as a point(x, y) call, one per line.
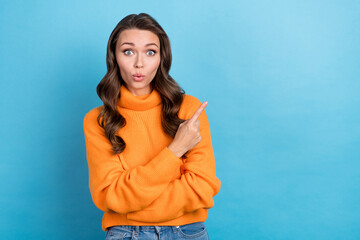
point(189, 105)
point(90, 118)
point(190, 100)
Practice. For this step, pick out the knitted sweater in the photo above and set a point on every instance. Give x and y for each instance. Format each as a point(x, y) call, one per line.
point(147, 184)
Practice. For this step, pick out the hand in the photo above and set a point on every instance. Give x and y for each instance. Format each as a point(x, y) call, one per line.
point(188, 134)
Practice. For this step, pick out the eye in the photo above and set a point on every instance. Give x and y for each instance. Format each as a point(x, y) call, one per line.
point(127, 50)
point(152, 53)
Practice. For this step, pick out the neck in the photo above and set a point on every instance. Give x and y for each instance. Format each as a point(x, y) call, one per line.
point(138, 103)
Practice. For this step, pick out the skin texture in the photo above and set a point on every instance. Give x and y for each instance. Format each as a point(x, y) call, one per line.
point(137, 57)
point(140, 57)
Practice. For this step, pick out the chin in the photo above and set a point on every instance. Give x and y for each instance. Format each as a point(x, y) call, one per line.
point(139, 86)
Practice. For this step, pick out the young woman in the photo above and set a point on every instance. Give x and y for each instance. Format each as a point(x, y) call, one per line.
point(149, 152)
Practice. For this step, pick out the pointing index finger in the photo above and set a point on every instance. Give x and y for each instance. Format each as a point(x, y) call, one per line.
point(198, 112)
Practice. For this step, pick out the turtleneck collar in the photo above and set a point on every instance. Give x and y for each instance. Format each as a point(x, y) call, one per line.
point(138, 103)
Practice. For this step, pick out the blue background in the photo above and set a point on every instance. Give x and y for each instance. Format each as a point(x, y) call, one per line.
point(282, 81)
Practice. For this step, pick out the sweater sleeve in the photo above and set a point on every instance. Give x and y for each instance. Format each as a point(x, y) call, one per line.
point(114, 189)
point(193, 190)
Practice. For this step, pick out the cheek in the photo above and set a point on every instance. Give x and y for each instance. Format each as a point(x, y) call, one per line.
point(156, 65)
point(123, 66)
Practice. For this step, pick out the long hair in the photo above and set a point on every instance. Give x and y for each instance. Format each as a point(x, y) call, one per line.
point(108, 89)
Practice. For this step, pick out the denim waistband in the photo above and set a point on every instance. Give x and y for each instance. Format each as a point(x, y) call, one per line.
point(142, 228)
point(147, 228)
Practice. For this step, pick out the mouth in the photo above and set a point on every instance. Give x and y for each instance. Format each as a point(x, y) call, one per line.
point(138, 77)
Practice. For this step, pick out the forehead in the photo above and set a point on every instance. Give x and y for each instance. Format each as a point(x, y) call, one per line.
point(139, 37)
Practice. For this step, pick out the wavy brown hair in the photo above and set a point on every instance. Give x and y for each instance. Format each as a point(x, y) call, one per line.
point(109, 87)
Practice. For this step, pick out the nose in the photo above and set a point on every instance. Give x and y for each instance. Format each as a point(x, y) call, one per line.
point(139, 62)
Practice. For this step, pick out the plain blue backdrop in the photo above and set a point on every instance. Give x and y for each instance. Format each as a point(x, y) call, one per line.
point(282, 82)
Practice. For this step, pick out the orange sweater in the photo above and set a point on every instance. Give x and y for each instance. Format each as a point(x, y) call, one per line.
point(147, 184)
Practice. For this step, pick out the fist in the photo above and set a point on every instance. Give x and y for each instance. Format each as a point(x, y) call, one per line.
point(188, 134)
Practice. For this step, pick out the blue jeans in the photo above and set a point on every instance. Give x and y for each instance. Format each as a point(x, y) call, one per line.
point(189, 231)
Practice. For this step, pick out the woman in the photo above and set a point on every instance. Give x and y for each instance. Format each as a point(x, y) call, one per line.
point(149, 151)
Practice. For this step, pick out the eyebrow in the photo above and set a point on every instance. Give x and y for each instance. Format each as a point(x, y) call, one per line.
point(132, 44)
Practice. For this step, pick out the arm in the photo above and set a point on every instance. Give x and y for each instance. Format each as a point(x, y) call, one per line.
point(195, 188)
point(114, 189)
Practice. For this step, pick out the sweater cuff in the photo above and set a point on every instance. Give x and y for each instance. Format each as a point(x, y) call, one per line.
point(172, 155)
point(164, 166)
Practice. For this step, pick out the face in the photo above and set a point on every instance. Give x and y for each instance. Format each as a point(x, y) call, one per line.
point(138, 53)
